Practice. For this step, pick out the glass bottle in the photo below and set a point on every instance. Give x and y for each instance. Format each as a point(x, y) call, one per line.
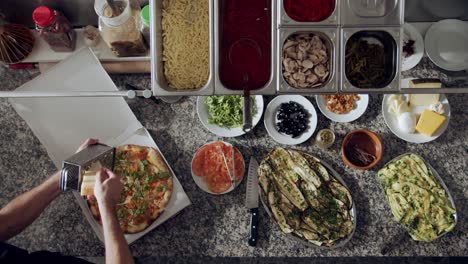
point(145, 25)
point(120, 28)
point(55, 29)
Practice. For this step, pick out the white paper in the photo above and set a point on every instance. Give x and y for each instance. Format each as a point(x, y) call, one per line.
point(62, 124)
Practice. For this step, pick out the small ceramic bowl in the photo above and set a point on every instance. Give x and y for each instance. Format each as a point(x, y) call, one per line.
point(361, 142)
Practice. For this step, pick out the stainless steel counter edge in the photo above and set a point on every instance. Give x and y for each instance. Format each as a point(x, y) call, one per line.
point(270, 88)
point(394, 85)
point(158, 85)
point(332, 85)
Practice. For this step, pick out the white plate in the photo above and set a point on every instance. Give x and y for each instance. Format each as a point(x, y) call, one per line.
point(410, 32)
point(270, 119)
point(447, 44)
point(202, 184)
point(202, 111)
point(357, 112)
point(392, 122)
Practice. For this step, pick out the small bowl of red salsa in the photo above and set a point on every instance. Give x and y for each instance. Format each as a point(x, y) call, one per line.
point(218, 167)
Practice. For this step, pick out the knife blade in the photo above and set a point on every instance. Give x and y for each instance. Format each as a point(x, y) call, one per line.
point(251, 200)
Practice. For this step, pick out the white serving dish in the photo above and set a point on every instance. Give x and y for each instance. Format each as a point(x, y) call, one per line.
point(412, 33)
point(227, 132)
point(270, 119)
point(447, 44)
point(357, 112)
point(392, 122)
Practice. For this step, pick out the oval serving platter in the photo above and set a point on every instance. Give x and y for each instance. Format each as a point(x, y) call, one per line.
point(437, 177)
point(340, 243)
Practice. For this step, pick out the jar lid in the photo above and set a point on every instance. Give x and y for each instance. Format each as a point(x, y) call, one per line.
point(43, 16)
point(145, 15)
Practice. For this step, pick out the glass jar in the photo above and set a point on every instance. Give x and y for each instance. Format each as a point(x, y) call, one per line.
point(121, 31)
point(145, 24)
point(325, 138)
point(55, 29)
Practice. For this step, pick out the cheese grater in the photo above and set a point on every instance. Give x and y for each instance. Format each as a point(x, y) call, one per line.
point(73, 168)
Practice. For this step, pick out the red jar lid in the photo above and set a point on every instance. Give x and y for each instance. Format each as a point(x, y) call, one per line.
point(43, 16)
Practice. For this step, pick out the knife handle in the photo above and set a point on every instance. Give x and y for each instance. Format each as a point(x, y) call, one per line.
point(253, 227)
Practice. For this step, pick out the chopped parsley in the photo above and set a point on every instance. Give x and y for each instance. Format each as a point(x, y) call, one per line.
point(121, 213)
point(161, 188)
point(159, 176)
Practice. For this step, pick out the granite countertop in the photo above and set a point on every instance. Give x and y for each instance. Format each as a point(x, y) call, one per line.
point(218, 225)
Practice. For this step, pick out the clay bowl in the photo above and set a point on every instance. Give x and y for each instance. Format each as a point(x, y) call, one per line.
point(358, 142)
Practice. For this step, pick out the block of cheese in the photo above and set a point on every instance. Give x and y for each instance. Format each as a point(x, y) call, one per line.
point(425, 83)
point(89, 178)
point(429, 122)
point(425, 99)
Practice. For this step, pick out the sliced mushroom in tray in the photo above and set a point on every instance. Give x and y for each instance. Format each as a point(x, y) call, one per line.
point(306, 61)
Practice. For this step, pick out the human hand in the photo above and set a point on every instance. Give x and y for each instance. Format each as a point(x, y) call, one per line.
point(88, 142)
point(107, 188)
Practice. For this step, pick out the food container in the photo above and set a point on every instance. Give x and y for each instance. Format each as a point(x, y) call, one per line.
point(331, 37)
point(213, 182)
point(159, 83)
point(390, 38)
point(325, 138)
point(120, 28)
point(352, 211)
point(365, 140)
point(437, 177)
point(372, 12)
point(284, 18)
point(269, 88)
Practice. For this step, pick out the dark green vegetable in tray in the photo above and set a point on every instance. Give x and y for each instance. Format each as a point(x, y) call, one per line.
point(365, 63)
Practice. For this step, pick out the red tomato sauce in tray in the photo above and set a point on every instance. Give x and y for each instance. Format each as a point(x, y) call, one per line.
point(245, 43)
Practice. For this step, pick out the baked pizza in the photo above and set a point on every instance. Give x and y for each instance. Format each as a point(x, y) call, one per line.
point(147, 187)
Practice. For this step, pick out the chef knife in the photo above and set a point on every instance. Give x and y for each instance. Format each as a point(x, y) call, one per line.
point(251, 201)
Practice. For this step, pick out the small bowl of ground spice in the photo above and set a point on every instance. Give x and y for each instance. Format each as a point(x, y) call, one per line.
point(362, 149)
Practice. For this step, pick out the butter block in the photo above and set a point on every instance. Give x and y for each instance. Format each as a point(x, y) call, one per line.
point(429, 122)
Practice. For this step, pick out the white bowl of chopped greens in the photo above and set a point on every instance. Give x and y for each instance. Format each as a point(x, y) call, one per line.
point(222, 115)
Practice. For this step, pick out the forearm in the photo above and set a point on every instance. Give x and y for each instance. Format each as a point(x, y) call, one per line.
point(117, 250)
point(23, 210)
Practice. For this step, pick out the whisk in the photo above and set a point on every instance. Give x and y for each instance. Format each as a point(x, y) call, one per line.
point(16, 43)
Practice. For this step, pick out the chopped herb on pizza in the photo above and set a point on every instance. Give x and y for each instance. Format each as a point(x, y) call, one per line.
point(147, 187)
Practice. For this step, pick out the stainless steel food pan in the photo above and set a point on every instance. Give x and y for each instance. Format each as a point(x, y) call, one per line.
point(270, 87)
point(285, 20)
point(159, 83)
point(391, 38)
point(332, 41)
point(372, 12)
